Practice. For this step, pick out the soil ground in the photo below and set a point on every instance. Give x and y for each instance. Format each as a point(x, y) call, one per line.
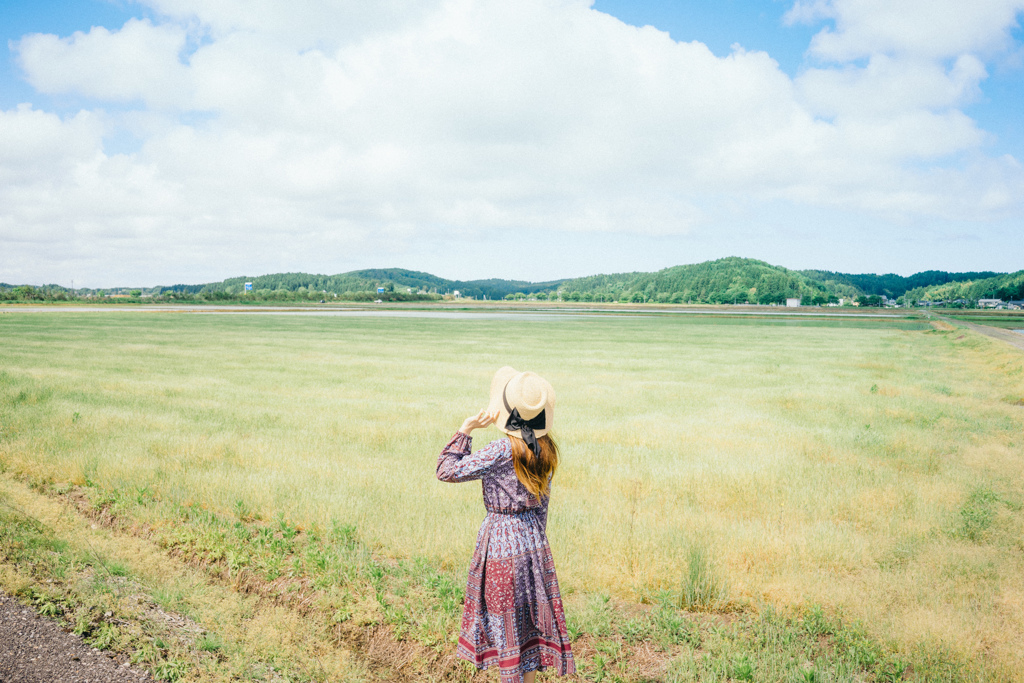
point(34, 649)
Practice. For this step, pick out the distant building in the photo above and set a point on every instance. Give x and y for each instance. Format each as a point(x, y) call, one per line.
point(456, 294)
point(792, 303)
point(989, 303)
point(1015, 305)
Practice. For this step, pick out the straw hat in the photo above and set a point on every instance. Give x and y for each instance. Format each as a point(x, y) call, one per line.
point(526, 393)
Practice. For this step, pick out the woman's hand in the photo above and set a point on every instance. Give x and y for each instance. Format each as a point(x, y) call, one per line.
point(478, 421)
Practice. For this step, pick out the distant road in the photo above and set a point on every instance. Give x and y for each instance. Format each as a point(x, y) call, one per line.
point(453, 311)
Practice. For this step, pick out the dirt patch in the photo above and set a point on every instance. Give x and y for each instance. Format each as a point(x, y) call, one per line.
point(36, 650)
point(942, 326)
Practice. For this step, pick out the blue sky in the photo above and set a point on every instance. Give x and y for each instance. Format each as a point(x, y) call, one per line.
point(163, 141)
point(754, 24)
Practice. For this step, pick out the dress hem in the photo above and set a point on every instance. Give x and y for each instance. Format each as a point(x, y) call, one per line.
point(559, 659)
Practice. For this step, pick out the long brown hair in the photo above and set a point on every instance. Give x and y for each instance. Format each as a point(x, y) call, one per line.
point(535, 470)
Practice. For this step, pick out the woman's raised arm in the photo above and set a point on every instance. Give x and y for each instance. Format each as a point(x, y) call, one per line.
point(457, 463)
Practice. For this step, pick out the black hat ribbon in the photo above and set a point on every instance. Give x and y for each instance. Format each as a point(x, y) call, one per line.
point(516, 422)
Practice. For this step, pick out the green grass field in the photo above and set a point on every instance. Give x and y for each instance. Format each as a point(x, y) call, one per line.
point(869, 468)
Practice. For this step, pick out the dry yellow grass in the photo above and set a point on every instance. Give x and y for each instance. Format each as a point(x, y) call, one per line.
point(816, 463)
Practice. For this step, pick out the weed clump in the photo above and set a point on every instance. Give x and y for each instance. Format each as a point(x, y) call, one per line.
point(702, 588)
point(977, 514)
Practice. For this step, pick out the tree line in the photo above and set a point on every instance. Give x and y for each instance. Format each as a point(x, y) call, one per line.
point(730, 280)
point(1008, 287)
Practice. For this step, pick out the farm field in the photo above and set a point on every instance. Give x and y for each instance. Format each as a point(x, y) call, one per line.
point(860, 471)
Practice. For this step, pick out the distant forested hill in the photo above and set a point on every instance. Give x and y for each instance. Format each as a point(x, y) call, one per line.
point(391, 279)
point(740, 280)
point(728, 280)
point(1008, 287)
point(892, 285)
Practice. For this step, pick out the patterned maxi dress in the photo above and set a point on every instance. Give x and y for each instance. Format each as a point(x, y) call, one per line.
point(513, 615)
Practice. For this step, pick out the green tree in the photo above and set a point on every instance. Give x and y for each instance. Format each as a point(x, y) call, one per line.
point(772, 288)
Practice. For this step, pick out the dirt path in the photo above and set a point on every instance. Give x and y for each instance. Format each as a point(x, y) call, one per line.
point(36, 650)
point(1008, 336)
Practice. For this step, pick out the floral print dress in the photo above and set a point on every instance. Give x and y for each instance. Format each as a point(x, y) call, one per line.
point(513, 615)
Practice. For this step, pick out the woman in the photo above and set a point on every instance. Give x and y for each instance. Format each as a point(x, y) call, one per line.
point(513, 613)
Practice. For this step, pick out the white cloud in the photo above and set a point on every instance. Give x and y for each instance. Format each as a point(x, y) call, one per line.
point(299, 128)
point(32, 141)
point(887, 86)
point(139, 61)
point(302, 24)
point(933, 29)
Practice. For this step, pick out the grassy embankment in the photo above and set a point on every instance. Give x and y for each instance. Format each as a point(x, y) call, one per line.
point(1008, 320)
point(819, 501)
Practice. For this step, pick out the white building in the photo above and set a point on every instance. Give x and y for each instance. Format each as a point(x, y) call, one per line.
point(792, 303)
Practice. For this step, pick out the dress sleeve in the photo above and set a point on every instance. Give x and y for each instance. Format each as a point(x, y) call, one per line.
point(457, 464)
